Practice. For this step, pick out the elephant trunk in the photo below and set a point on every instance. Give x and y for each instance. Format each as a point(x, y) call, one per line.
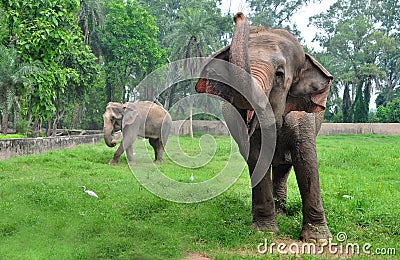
point(108, 129)
point(239, 57)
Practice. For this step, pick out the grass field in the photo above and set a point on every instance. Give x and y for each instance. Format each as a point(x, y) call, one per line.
point(45, 215)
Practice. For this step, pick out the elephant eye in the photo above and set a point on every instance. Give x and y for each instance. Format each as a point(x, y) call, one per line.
point(280, 72)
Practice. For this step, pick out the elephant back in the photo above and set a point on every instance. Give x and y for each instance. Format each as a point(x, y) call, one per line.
point(155, 118)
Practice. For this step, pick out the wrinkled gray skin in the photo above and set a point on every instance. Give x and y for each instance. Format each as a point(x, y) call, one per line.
point(296, 86)
point(143, 118)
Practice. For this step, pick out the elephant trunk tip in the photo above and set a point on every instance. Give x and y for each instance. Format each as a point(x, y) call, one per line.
point(239, 17)
point(111, 143)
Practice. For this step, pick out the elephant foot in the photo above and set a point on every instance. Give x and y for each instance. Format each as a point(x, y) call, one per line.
point(315, 233)
point(158, 161)
point(113, 162)
point(131, 164)
point(262, 224)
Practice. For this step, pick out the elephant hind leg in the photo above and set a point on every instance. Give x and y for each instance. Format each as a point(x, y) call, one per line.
point(280, 174)
point(156, 143)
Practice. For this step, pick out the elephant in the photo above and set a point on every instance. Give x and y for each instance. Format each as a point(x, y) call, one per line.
point(268, 67)
point(143, 118)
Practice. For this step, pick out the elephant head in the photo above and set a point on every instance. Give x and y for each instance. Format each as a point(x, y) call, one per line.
point(265, 62)
point(112, 121)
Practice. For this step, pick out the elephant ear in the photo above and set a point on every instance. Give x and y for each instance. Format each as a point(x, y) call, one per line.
point(310, 90)
point(130, 115)
point(214, 73)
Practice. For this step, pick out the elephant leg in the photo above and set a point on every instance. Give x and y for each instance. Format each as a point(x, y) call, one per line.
point(280, 174)
point(117, 155)
point(304, 157)
point(165, 131)
point(263, 208)
point(129, 137)
point(158, 147)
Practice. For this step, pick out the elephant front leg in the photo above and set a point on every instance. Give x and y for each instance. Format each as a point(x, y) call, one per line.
point(263, 206)
point(306, 168)
point(280, 175)
point(128, 147)
point(129, 155)
point(158, 149)
point(117, 155)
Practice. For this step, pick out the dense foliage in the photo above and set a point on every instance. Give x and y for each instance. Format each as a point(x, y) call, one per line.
point(62, 61)
point(47, 32)
point(362, 41)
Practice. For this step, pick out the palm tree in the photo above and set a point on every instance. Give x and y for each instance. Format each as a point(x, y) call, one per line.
point(193, 24)
point(193, 49)
point(194, 33)
point(91, 17)
point(12, 73)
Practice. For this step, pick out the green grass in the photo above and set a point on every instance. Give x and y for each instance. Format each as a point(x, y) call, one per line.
point(45, 215)
point(12, 136)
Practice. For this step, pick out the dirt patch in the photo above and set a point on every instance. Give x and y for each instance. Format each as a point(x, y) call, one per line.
point(196, 256)
point(289, 247)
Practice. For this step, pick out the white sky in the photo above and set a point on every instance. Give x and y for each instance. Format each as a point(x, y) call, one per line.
point(300, 18)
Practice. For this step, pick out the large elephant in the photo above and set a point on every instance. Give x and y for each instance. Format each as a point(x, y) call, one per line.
point(270, 63)
point(142, 118)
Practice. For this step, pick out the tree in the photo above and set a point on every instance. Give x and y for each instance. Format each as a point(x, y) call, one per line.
point(350, 37)
point(200, 21)
point(346, 105)
point(165, 12)
point(275, 13)
point(91, 18)
point(387, 15)
point(389, 113)
point(130, 48)
point(12, 73)
point(188, 16)
point(75, 100)
point(47, 31)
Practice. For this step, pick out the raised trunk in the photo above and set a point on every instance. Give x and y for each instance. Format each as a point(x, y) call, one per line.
point(252, 97)
point(239, 57)
point(240, 46)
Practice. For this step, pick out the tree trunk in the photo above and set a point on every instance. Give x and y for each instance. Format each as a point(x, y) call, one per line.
point(109, 91)
point(75, 116)
point(35, 128)
point(4, 122)
point(49, 128)
point(58, 114)
point(191, 110)
point(346, 105)
point(16, 112)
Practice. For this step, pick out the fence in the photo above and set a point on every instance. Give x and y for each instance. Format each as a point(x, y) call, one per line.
point(23, 146)
point(360, 128)
point(218, 127)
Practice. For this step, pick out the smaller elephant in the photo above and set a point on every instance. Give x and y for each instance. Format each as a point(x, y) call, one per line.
point(142, 118)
